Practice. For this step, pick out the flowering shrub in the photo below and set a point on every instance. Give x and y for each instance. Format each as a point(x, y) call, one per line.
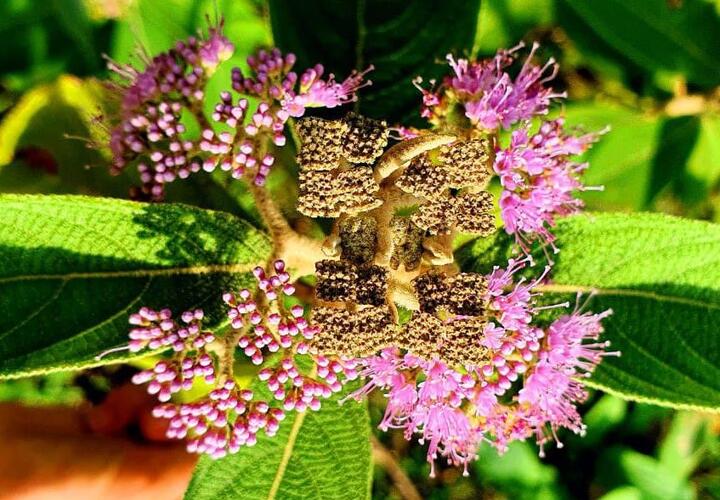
point(409, 251)
point(472, 363)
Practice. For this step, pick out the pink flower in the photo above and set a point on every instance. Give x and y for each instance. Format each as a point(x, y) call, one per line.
point(526, 385)
point(490, 97)
point(540, 179)
point(317, 93)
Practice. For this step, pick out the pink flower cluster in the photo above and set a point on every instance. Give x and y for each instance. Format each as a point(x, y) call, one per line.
point(280, 95)
point(540, 179)
point(156, 330)
point(150, 130)
point(268, 331)
point(152, 101)
point(488, 95)
point(525, 387)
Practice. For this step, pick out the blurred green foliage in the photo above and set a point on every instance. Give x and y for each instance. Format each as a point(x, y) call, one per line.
point(648, 69)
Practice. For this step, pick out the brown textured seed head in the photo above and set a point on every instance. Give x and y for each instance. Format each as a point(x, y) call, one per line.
point(371, 285)
point(365, 139)
point(357, 333)
point(331, 193)
point(315, 198)
point(466, 294)
point(423, 178)
point(322, 142)
point(436, 216)
point(358, 239)
point(336, 280)
point(407, 241)
point(432, 291)
point(336, 327)
point(421, 335)
point(462, 342)
point(468, 162)
point(474, 213)
point(356, 188)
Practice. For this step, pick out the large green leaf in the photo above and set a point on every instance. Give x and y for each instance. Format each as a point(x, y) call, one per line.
point(622, 161)
point(401, 39)
point(672, 40)
point(74, 268)
point(315, 455)
point(661, 277)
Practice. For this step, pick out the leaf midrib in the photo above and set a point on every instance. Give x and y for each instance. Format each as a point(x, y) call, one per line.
point(625, 292)
point(139, 273)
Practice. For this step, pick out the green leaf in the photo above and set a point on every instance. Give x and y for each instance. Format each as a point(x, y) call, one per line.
point(661, 277)
point(519, 472)
point(682, 448)
point(48, 131)
point(654, 480)
point(315, 455)
point(401, 39)
point(74, 268)
point(622, 160)
point(702, 170)
point(503, 23)
point(668, 40)
point(44, 41)
point(602, 418)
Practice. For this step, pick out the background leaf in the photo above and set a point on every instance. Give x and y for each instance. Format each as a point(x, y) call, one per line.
point(74, 268)
point(399, 38)
point(315, 455)
point(660, 36)
point(661, 277)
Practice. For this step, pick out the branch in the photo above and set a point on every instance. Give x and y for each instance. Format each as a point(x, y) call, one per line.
point(387, 461)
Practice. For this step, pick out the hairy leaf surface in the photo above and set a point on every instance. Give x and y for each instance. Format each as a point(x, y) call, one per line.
point(323, 454)
point(74, 268)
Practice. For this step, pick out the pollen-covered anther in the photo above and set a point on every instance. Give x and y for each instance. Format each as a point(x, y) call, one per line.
point(436, 216)
point(462, 342)
point(358, 239)
point(372, 285)
point(365, 140)
point(352, 333)
point(432, 291)
point(336, 281)
point(316, 198)
point(424, 178)
point(468, 163)
point(466, 292)
point(474, 213)
point(322, 142)
point(421, 335)
point(407, 241)
point(356, 188)
point(331, 193)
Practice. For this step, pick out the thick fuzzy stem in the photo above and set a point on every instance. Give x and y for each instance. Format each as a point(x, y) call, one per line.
point(299, 252)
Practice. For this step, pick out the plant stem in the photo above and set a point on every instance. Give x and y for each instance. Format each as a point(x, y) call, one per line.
point(385, 459)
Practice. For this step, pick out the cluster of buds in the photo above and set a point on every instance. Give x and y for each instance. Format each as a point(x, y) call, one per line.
point(189, 342)
point(149, 128)
point(150, 133)
point(245, 150)
point(266, 329)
